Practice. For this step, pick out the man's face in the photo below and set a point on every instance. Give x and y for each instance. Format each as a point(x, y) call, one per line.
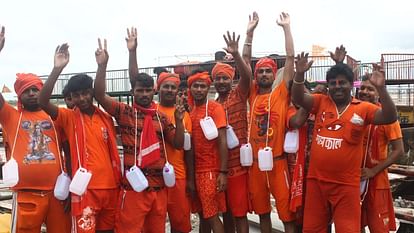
point(265, 77)
point(199, 90)
point(368, 92)
point(69, 102)
point(340, 89)
point(83, 99)
point(222, 83)
point(168, 92)
point(29, 98)
point(143, 95)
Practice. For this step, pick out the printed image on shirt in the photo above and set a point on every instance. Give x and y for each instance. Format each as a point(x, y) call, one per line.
point(38, 146)
point(261, 120)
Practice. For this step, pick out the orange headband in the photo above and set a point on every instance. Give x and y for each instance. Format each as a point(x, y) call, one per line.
point(223, 69)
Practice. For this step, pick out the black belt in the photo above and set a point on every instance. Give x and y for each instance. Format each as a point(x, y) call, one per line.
point(148, 171)
point(149, 189)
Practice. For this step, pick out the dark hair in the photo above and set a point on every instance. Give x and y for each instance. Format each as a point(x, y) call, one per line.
point(65, 91)
point(183, 85)
point(79, 82)
point(340, 69)
point(144, 80)
point(364, 78)
point(159, 70)
point(219, 55)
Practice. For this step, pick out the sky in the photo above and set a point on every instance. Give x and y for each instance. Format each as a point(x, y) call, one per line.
point(169, 29)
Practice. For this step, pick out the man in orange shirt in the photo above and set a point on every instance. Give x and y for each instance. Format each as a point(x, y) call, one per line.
point(332, 190)
point(268, 109)
point(234, 102)
point(377, 207)
point(92, 141)
point(141, 123)
point(34, 145)
point(211, 156)
point(178, 206)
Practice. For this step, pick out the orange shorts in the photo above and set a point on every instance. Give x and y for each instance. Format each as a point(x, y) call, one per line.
point(238, 195)
point(378, 211)
point(37, 207)
point(276, 182)
point(141, 212)
point(326, 201)
point(100, 214)
point(208, 201)
point(178, 207)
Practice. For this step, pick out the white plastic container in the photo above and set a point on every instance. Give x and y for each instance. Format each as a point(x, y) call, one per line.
point(169, 175)
point(265, 158)
point(61, 190)
point(80, 181)
point(10, 173)
point(209, 128)
point(232, 140)
point(136, 179)
point(246, 155)
point(291, 144)
point(187, 141)
point(363, 185)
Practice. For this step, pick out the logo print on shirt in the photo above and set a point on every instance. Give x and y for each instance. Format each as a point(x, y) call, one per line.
point(38, 145)
point(87, 221)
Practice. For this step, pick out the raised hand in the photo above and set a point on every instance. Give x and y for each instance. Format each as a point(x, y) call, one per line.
point(2, 38)
point(253, 21)
point(377, 77)
point(232, 43)
point(179, 109)
point(284, 20)
point(302, 64)
point(131, 39)
point(61, 56)
point(339, 54)
point(101, 53)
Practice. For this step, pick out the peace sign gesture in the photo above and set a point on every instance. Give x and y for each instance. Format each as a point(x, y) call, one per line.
point(101, 53)
point(253, 21)
point(179, 109)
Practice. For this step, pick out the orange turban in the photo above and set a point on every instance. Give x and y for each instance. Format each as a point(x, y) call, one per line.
point(25, 81)
point(164, 77)
point(265, 62)
point(203, 76)
point(223, 69)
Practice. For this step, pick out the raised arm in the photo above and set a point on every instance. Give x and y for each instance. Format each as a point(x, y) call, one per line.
point(299, 97)
point(284, 22)
point(388, 113)
point(299, 119)
point(243, 68)
point(101, 56)
point(132, 44)
point(2, 40)
point(339, 55)
point(247, 48)
point(60, 61)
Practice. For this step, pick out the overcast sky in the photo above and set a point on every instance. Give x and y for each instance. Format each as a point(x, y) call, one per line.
point(168, 28)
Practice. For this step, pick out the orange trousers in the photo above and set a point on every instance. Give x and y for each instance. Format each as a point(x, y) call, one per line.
point(36, 207)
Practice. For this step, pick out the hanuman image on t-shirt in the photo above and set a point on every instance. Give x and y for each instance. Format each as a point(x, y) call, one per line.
point(38, 144)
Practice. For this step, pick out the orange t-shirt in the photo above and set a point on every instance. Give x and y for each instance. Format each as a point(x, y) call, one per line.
point(98, 160)
point(206, 152)
point(176, 157)
point(235, 108)
point(385, 134)
point(337, 144)
point(259, 104)
point(125, 117)
point(36, 150)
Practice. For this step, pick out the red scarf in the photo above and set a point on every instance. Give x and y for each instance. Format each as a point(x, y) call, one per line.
point(149, 143)
point(80, 202)
point(296, 191)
